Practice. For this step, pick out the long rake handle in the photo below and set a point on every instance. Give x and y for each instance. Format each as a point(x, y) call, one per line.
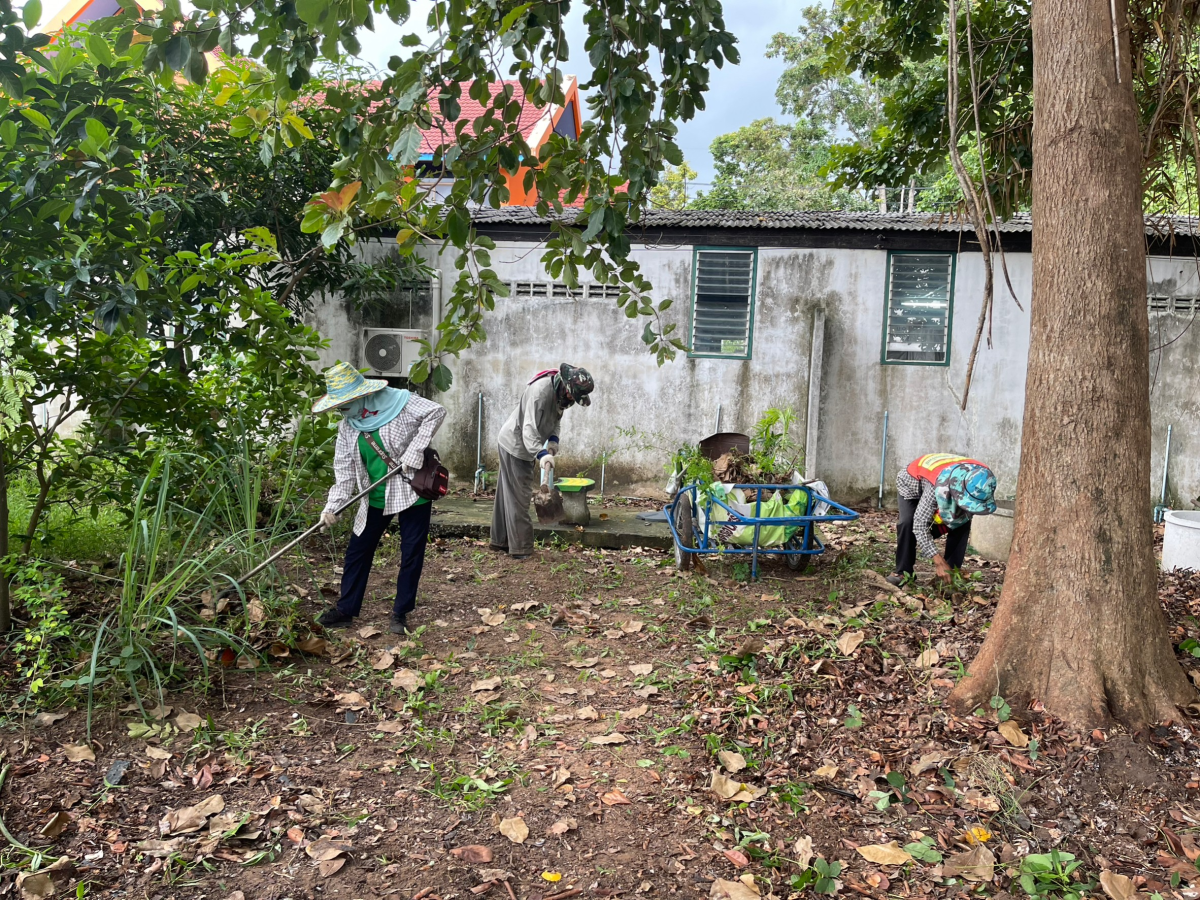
point(317, 527)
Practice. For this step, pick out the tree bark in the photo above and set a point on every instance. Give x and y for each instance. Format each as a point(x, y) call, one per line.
point(1079, 626)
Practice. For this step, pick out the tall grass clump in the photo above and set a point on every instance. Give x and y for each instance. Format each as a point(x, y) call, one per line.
point(144, 642)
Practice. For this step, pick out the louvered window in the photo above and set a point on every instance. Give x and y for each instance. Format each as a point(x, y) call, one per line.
point(919, 305)
point(723, 304)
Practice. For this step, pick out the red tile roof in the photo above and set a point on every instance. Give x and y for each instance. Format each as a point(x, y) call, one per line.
point(442, 132)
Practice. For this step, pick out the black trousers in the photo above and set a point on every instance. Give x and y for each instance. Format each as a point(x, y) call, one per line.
point(906, 541)
point(413, 525)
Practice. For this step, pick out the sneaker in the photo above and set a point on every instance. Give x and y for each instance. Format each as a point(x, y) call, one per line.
point(520, 555)
point(895, 578)
point(399, 623)
point(334, 618)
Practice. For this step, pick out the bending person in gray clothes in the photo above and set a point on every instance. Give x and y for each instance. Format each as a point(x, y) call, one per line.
point(529, 437)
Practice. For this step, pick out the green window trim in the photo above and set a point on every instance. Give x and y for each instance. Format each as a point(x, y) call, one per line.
point(752, 252)
point(887, 309)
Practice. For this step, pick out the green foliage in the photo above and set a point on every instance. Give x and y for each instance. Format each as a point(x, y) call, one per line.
point(672, 191)
point(39, 599)
point(924, 850)
point(770, 165)
point(1052, 875)
point(650, 65)
point(771, 443)
point(118, 318)
point(821, 876)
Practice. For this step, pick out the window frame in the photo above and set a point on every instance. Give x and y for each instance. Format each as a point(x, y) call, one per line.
point(887, 309)
point(696, 251)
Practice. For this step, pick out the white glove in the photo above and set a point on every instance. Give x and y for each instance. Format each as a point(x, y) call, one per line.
point(552, 448)
point(328, 520)
point(547, 467)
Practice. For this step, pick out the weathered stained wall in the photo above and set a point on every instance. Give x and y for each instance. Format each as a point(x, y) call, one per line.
point(678, 402)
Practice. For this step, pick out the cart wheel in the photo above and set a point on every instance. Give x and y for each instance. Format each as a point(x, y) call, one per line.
point(798, 563)
point(685, 527)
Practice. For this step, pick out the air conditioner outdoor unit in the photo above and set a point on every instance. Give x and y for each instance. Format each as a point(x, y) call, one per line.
point(390, 351)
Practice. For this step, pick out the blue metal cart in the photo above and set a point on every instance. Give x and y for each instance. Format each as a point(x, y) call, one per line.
point(798, 551)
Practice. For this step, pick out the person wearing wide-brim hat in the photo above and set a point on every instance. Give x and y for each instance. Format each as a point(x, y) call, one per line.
point(379, 423)
point(528, 439)
point(939, 495)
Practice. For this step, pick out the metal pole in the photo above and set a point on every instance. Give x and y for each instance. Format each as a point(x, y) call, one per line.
point(480, 474)
point(602, 464)
point(718, 428)
point(883, 457)
point(1160, 512)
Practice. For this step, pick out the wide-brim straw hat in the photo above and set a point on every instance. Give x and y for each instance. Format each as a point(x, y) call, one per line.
point(344, 383)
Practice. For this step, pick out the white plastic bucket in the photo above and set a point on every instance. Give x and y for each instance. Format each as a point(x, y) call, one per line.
point(1181, 540)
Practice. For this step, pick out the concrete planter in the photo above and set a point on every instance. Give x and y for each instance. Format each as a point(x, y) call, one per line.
point(991, 536)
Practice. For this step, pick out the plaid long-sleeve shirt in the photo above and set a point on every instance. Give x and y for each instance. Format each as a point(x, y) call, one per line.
point(404, 438)
point(911, 488)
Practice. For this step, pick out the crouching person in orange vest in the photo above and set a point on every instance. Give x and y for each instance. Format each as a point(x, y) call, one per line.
point(939, 494)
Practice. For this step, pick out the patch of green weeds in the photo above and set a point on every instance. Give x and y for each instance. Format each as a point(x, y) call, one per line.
point(1053, 875)
point(821, 876)
point(242, 742)
point(896, 792)
point(465, 791)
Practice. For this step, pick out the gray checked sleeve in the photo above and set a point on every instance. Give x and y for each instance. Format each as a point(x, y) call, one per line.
point(923, 520)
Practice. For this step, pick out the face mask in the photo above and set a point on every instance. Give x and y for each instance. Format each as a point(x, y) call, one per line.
point(353, 410)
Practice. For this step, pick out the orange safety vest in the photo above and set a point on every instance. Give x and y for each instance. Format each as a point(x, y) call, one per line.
point(931, 465)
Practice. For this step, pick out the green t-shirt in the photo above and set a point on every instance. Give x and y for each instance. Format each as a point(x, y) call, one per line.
point(376, 469)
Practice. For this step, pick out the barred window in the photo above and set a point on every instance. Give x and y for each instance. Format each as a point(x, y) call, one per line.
point(919, 308)
point(723, 303)
point(603, 291)
point(1159, 303)
point(530, 290)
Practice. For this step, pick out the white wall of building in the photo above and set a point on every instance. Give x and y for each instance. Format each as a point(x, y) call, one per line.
point(678, 402)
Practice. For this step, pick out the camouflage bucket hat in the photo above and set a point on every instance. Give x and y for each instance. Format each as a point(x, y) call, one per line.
point(578, 383)
point(971, 487)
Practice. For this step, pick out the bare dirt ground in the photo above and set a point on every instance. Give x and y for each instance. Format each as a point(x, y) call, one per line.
point(595, 724)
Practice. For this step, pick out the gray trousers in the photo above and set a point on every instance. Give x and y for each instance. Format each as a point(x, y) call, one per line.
point(512, 525)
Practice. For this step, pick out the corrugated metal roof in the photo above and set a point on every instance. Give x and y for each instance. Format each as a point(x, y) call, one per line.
point(824, 221)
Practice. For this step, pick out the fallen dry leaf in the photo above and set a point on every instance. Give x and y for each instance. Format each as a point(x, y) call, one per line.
point(157, 753)
point(927, 659)
point(751, 646)
point(608, 739)
point(849, 642)
point(159, 849)
point(976, 864)
point(587, 713)
point(383, 661)
point(636, 713)
point(1012, 733)
point(407, 679)
point(326, 848)
point(733, 762)
point(515, 829)
point(562, 826)
point(473, 853)
point(889, 854)
point(46, 719)
point(191, 818)
point(369, 631)
point(803, 851)
point(737, 857)
point(487, 684)
point(927, 761)
point(561, 776)
point(56, 825)
point(732, 890)
point(256, 612)
point(351, 700)
point(583, 663)
point(615, 798)
point(314, 646)
point(391, 727)
point(633, 626)
point(1118, 887)
point(490, 618)
point(79, 753)
point(641, 669)
point(730, 789)
point(329, 867)
point(646, 692)
point(35, 885)
point(187, 721)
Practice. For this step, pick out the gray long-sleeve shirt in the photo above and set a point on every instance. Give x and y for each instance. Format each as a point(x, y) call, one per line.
point(535, 420)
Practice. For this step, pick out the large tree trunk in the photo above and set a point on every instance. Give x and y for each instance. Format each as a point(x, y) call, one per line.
point(1078, 625)
point(5, 611)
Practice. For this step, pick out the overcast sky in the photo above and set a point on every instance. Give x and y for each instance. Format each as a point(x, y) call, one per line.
point(737, 94)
